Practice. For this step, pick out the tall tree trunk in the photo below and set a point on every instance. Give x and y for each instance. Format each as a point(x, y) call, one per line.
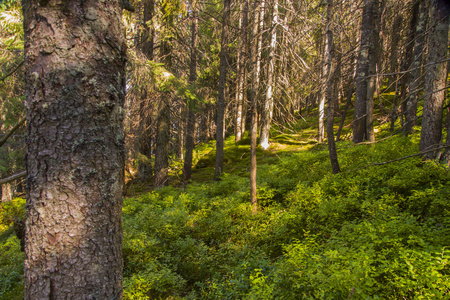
point(435, 76)
point(241, 73)
point(75, 90)
point(267, 111)
point(255, 68)
point(407, 57)
point(351, 88)
point(221, 99)
point(163, 123)
point(415, 77)
point(321, 131)
point(366, 55)
point(179, 125)
point(187, 169)
point(145, 171)
point(373, 62)
point(148, 34)
point(330, 69)
point(162, 143)
point(393, 51)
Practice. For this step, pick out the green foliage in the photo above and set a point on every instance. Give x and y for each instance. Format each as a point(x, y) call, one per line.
point(374, 233)
point(12, 211)
point(11, 268)
point(11, 258)
point(377, 232)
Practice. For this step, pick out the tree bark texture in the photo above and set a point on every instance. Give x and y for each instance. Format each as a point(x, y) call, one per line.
point(221, 99)
point(366, 54)
point(415, 77)
point(75, 55)
point(435, 77)
point(187, 168)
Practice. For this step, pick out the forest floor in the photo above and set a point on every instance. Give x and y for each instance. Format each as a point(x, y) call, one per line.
point(369, 232)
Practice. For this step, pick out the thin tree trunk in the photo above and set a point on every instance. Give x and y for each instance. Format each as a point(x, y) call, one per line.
point(373, 62)
point(415, 77)
point(163, 124)
point(321, 131)
point(435, 76)
point(187, 169)
point(75, 90)
point(256, 54)
point(407, 58)
point(348, 103)
point(162, 143)
point(148, 35)
point(221, 99)
point(267, 111)
point(393, 51)
point(145, 171)
point(366, 55)
point(241, 71)
point(330, 69)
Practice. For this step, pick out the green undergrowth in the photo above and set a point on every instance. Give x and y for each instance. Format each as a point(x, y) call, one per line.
point(370, 232)
point(377, 232)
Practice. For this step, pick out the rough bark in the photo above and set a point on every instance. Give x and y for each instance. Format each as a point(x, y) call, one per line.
point(221, 99)
point(363, 70)
point(6, 192)
point(415, 77)
point(435, 76)
point(75, 89)
point(187, 168)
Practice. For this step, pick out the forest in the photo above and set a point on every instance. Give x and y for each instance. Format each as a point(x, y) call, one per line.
point(190, 149)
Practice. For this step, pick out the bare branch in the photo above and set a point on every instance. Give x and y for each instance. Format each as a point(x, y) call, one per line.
point(13, 177)
point(12, 131)
point(13, 70)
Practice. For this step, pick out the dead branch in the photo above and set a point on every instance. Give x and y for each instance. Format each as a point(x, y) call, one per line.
point(13, 177)
point(6, 137)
